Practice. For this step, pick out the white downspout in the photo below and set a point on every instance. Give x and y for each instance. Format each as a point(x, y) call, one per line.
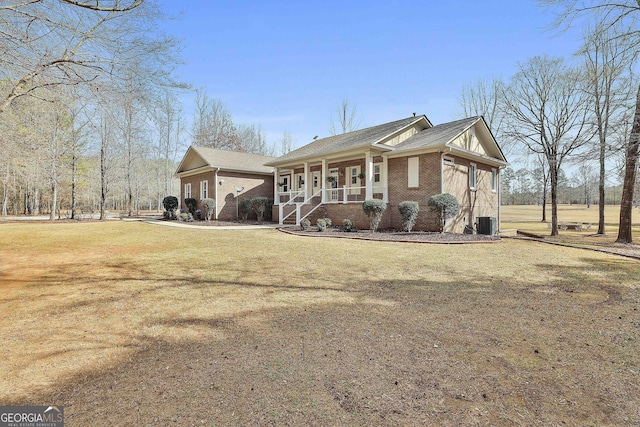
point(215, 192)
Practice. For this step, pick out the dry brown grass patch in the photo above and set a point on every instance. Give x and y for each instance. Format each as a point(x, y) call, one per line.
point(125, 323)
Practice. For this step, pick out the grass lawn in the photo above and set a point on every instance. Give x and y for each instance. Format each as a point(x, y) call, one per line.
point(528, 218)
point(134, 324)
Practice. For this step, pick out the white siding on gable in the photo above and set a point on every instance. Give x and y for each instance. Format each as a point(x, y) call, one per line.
point(408, 133)
point(470, 142)
point(413, 170)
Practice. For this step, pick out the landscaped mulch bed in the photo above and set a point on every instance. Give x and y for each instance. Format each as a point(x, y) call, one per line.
point(394, 235)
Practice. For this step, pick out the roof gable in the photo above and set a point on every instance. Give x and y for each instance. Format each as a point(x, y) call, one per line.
point(470, 135)
point(380, 135)
point(204, 157)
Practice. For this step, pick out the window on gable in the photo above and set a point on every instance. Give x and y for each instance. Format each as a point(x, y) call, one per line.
point(413, 172)
point(473, 176)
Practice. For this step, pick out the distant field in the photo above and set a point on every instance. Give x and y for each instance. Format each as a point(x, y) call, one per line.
point(528, 218)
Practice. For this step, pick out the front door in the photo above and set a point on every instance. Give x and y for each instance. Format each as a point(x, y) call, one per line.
point(353, 179)
point(333, 194)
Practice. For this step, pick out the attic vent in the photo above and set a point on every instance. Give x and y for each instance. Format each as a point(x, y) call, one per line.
point(448, 161)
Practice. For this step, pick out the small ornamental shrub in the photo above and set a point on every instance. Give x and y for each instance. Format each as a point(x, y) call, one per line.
point(198, 214)
point(192, 205)
point(322, 224)
point(244, 208)
point(446, 206)
point(209, 206)
point(185, 217)
point(374, 209)
point(347, 225)
point(328, 221)
point(305, 224)
point(170, 204)
point(259, 206)
point(409, 213)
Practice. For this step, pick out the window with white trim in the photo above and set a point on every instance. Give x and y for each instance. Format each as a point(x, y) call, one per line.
point(187, 191)
point(204, 189)
point(413, 168)
point(473, 176)
point(316, 179)
point(494, 180)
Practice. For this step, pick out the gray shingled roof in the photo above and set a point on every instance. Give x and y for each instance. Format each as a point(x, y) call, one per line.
point(233, 160)
point(437, 135)
point(358, 138)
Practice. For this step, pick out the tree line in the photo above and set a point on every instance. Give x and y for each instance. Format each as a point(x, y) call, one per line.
point(90, 118)
point(581, 114)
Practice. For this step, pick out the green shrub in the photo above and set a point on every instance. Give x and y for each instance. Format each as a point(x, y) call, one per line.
point(185, 217)
point(347, 225)
point(192, 205)
point(322, 224)
point(170, 204)
point(409, 213)
point(374, 209)
point(244, 208)
point(259, 206)
point(446, 206)
point(305, 224)
point(209, 205)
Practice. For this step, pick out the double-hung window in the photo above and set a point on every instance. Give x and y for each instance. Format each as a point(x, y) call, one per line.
point(473, 176)
point(187, 191)
point(204, 189)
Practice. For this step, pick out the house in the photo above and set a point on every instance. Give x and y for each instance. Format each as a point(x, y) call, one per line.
point(407, 159)
point(225, 176)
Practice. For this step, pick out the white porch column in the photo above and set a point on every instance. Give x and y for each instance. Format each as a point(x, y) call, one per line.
point(368, 167)
point(276, 187)
point(323, 180)
point(385, 180)
point(307, 181)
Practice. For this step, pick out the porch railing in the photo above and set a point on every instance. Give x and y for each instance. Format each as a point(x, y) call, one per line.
point(290, 196)
point(292, 201)
point(352, 194)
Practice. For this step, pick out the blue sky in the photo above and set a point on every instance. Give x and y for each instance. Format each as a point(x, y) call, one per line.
point(288, 65)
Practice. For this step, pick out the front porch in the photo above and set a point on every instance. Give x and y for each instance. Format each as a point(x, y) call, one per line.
point(293, 208)
point(303, 188)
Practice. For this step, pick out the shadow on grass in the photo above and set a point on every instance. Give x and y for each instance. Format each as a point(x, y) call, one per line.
point(479, 349)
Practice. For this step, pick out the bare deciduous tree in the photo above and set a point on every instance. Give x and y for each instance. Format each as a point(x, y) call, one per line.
point(213, 124)
point(287, 143)
point(545, 110)
point(606, 63)
point(347, 119)
point(609, 14)
point(49, 43)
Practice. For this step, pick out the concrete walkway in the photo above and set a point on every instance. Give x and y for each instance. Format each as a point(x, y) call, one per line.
point(212, 227)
